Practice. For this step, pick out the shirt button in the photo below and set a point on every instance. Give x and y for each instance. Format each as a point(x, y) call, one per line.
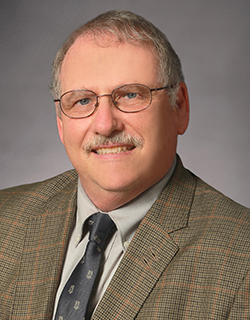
point(126, 244)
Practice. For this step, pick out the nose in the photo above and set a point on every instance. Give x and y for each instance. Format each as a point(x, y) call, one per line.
point(107, 118)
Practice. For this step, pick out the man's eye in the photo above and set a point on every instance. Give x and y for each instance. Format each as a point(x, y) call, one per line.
point(83, 102)
point(130, 95)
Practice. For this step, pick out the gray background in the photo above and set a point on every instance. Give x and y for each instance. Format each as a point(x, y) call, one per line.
point(212, 39)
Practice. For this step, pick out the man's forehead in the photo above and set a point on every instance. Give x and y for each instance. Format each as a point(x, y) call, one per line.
point(88, 42)
point(89, 62)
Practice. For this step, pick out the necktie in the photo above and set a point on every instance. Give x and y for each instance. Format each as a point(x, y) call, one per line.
point(74, 299)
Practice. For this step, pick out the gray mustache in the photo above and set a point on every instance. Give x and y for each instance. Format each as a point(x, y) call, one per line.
point(120, 138)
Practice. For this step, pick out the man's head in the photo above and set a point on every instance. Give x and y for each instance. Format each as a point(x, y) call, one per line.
point(119, 154)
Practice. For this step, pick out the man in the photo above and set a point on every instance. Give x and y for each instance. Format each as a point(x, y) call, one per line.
point(180, 249)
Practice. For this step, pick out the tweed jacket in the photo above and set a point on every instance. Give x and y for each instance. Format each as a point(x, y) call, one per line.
point(189, 259)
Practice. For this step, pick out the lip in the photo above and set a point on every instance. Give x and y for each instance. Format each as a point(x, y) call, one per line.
point(113, 149)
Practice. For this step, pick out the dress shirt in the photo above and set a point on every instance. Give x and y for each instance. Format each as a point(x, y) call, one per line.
point(126, 218)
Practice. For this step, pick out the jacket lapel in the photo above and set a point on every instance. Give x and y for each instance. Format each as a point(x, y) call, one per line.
point(150, 251)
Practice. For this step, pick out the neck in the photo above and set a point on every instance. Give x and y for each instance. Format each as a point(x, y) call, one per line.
point(108, 201)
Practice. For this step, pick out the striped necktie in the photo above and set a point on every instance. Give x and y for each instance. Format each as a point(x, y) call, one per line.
point(73, 302)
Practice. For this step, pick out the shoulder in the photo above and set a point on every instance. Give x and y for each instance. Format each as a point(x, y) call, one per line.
point(36, 194)
point(213, 202)
point(55, 183)
point(204, 200)
point(212, 214)
point(220, 221)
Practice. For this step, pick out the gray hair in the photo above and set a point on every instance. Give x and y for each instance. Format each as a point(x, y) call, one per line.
point(126, 27)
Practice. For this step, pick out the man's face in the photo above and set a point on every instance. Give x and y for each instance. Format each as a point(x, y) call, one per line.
point(118, 175)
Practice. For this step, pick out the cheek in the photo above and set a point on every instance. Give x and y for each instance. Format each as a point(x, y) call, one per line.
point(162, 137)
point(160, 128)
point(74, 133)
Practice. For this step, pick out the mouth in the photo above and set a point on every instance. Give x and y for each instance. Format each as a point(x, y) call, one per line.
point(113, 145)
point(113, 150)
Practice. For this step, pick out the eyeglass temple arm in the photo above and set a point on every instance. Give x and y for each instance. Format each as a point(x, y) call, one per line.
point(161, 88)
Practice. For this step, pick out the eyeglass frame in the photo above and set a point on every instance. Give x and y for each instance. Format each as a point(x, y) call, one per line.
point(111, 95)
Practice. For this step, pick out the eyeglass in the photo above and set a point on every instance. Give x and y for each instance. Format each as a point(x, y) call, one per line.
point(128, 98)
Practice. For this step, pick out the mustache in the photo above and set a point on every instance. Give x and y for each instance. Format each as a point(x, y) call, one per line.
point(119, 138)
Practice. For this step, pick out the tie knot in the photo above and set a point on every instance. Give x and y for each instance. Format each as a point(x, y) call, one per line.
point(101, 227)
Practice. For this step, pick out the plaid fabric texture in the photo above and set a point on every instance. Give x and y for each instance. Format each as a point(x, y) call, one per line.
point(189, 259)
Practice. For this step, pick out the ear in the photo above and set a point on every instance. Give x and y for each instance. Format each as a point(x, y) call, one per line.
point(59, 123)
point(182, 108)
